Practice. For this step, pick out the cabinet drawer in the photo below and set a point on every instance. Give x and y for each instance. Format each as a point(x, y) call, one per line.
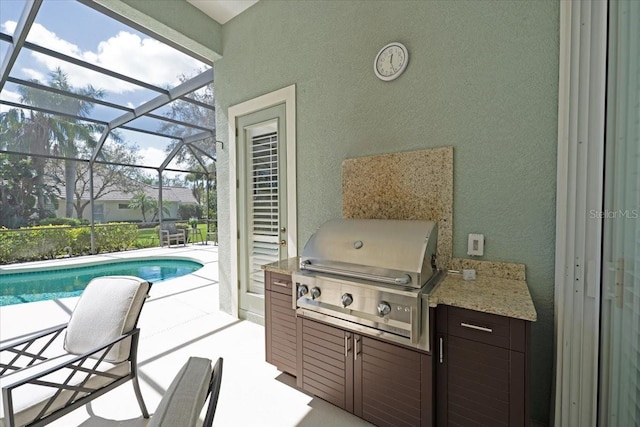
point(280, 283)
point(477, 326)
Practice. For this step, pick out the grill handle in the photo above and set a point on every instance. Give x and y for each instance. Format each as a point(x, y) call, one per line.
point(403, 280)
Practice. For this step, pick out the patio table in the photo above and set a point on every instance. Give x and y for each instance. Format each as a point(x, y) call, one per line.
point(196, 232)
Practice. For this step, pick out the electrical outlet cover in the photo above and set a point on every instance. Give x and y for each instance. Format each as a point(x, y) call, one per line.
point(475, 246)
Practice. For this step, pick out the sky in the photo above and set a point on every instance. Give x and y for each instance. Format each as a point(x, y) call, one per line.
point(76, 30)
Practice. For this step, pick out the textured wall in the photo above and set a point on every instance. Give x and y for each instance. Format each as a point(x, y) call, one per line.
point(482, 77)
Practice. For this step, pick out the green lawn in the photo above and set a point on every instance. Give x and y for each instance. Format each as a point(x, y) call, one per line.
point(148, 237)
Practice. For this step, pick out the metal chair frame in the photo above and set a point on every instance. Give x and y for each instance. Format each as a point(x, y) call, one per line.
point(82, 364)
point(214, 392)
point(30, 351)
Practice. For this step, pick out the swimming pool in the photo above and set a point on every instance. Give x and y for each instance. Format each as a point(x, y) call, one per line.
point(18, 288)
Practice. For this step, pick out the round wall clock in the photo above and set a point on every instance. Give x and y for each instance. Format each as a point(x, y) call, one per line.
point(391, 61)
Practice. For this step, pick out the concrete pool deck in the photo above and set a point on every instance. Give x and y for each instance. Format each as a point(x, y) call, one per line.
point(182, 319)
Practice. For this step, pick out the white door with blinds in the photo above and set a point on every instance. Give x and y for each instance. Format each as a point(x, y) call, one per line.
point(262, 197)
point(619, 392)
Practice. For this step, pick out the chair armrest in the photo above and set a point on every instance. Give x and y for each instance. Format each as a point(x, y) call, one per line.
point(75, 364)
point(63, 383)
point(28, 351)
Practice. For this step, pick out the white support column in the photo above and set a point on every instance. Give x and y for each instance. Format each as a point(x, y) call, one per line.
point(581, 119)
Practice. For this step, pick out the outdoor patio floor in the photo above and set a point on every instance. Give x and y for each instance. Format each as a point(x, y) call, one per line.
point(182, 319)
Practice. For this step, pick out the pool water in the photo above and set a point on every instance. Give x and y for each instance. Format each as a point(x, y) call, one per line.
point(18, 288)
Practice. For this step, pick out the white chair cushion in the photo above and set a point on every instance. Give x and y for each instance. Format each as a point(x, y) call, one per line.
point(183, 401)
point(28, 400)
point(108, 307)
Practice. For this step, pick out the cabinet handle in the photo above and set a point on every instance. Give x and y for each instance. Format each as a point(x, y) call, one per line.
point(283, 284)
point(441, 350)
point(355, 352)
point(346, 340)
point(477, 328)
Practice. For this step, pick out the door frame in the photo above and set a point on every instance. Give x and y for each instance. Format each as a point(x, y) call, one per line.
point(286, 96)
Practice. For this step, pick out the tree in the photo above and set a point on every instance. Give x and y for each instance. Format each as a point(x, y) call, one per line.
point(59, 135)
point(191, 113)
point(108, 178)
point(21, 133)
point(44, 134)
point(143, 202)
point(197, 185)
point(17, 191)
point(155, 208)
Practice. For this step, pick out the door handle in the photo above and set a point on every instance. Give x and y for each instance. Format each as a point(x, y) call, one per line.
point(620, 283)
point(283, 242)
point(346, 348)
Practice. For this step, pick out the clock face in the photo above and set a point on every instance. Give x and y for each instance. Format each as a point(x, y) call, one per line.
point(391, 61)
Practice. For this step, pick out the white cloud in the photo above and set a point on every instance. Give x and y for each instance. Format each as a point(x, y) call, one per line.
point(142, 58)
point(11, 97)
point(9, 27)
point(33, 74)
point(151, 156)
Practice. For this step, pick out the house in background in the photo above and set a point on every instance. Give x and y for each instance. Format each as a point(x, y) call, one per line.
point(114, 205)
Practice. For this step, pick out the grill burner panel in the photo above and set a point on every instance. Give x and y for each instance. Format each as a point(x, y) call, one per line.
point(365, 297)
point(370, 276)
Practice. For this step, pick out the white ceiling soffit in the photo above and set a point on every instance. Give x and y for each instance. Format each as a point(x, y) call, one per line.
point(222, 10)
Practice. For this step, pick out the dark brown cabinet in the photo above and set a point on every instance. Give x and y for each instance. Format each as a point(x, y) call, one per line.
point(481, 369)
point(385, 384)
point(477, 374)
point(326, 370)
point(280, 323)
point(393, 385)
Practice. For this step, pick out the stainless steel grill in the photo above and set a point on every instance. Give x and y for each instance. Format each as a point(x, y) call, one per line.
point(370, 276)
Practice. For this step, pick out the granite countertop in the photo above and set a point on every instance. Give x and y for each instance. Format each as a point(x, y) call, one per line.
point(286, 266)
point(494, 295)
point(499, 288)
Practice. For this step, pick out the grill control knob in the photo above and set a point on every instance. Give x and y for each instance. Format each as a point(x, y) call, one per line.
point(384, 308)
point(302, 290)
point(347, 299)
point(315, 292)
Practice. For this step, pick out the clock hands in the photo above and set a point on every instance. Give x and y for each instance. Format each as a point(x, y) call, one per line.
point(390, 61)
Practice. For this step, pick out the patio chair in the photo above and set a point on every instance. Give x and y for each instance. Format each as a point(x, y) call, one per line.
point(43, 378)
point(170, 233)
point(182, 403)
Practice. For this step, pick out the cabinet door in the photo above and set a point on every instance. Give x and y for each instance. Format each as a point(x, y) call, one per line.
point(477, 383)
point(388, 383)
point(327, 368)
point(481, 379)
point(280, 324)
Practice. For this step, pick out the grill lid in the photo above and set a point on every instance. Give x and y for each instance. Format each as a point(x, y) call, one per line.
point(392, 251)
